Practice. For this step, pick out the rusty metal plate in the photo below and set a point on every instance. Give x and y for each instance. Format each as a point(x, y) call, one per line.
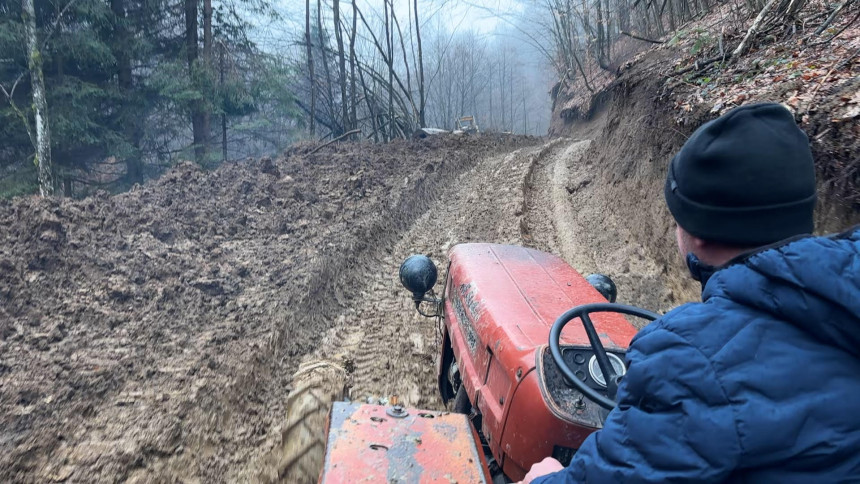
point(367, 445)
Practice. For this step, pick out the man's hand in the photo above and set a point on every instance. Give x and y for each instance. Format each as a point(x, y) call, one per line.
point(542, 468)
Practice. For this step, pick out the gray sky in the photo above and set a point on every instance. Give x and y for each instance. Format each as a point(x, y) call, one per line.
point(478, 15)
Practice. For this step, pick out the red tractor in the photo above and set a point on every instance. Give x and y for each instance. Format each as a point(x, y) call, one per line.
point(519, 385)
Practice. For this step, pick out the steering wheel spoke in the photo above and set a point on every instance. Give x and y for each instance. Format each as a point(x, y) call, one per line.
point(609, 375)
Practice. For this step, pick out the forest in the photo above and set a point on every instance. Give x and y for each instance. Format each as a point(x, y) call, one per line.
point(104, 94)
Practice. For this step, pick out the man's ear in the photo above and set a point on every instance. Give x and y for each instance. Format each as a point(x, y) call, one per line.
point(698, 243)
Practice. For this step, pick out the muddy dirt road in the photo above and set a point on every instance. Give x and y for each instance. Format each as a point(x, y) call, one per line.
point(381, 348)
point(154, 336)
point(518, 198)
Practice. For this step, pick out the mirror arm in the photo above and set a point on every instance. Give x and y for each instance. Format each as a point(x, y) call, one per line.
point(437, 303)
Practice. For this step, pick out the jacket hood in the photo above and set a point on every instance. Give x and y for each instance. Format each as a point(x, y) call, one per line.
point(812, 283)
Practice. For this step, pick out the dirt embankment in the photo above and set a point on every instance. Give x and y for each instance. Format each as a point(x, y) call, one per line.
point(152, 335)
point(635, 130)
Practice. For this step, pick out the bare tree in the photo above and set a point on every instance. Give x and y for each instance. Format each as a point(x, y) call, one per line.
point(422, 100)
point(353, 102)
point(207, 65)
point(197, 106)
point(40, 102)
point(341, 63)
point(329, 95)
point(389, 60)
point(310, 56)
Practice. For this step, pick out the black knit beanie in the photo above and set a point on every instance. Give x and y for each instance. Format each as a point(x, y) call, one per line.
point(745, 178)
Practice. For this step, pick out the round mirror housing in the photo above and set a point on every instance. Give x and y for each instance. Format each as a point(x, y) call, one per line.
point(418, 274)
point(604, 286)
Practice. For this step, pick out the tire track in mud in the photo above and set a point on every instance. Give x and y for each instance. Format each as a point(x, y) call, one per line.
point(572, 210)
point(547, 211)
point(379, 345)
point(547, 197)
point(397, 348)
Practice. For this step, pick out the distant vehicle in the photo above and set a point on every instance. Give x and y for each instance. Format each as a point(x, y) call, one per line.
point(466, 124)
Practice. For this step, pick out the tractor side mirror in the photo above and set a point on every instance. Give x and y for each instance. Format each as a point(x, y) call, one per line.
point(604, 286)
point(418, 275)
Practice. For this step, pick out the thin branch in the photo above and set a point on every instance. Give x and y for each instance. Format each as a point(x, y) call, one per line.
point(18, 111)
point(831, 18)
point(54, 25)
point(752, 31)
point(348, 133)
point(827, 41)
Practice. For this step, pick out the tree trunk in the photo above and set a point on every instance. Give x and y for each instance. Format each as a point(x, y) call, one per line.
point(191, 48)
point(511, 97)
point(390, 60)
point(341, 66)
point(352, 60)
point(310, 54)
point(672, 23)
point(131, 126)
point(370, 104)
point(328, 82)
point(40, 102)
point(408, 89)
point(608, 34)
point(422, 100)
point(208, 63)
point(601, 35)
point(223, 115)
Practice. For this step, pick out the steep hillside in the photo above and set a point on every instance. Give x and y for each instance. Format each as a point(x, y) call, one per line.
point(641, 118)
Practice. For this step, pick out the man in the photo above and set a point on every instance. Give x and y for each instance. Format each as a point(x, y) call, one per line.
point(760, 382)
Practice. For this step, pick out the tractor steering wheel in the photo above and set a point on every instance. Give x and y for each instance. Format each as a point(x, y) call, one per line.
point(609, 376)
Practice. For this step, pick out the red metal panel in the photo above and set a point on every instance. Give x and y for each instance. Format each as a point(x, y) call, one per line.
point(493, 404)
point(502, 301)
point(367, 445)
point(532, 429)
point(530, 289)
point(471, 355)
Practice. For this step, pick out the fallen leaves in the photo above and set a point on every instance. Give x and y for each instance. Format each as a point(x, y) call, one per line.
point(851, 108)
point(800, 75)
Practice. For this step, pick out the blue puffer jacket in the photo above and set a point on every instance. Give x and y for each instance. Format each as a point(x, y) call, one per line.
point(760, 383)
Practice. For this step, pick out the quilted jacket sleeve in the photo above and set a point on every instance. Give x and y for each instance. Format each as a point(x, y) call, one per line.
point(673, 423)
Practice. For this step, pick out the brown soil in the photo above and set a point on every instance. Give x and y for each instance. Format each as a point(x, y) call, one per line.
point(155, 335)
point(152, 335)
point(158, 336)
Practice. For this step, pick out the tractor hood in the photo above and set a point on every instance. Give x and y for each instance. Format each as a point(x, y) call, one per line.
point(513, 295)
point(500, 304)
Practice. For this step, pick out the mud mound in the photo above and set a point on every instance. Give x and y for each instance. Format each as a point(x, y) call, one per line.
point(153, 333)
